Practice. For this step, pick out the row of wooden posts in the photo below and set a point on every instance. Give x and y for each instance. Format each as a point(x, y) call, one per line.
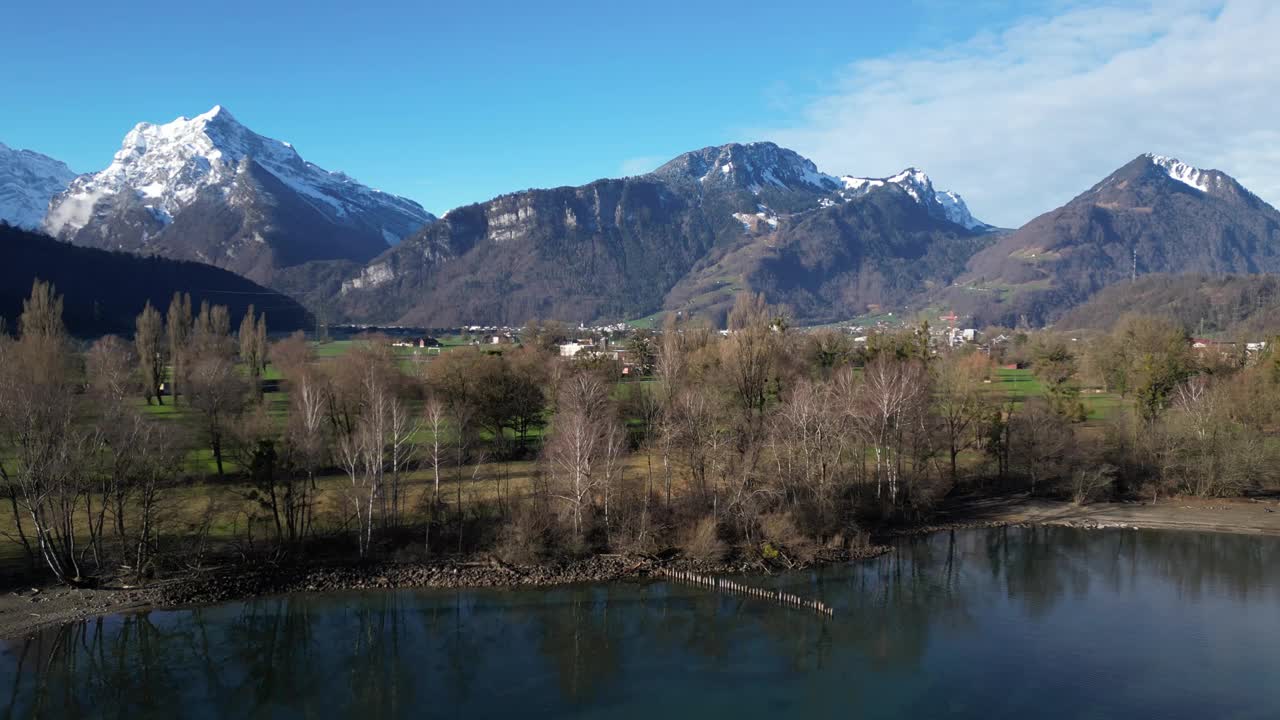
point(730, 586)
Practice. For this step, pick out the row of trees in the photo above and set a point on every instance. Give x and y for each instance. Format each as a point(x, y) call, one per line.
point(775, 442)
point(84, 469)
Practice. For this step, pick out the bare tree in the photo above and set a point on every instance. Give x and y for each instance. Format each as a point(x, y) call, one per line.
point(613, 449)
point(110, 369)
point(810, 439)
point(694, 422)
point(670, 363)
point(576, 443)
point(958, 402)
point(645, 404)
point(1088, 483)
point(884, 405)
point(360, 456)
point(45, 463)
point(113, 429)
point(306, 438)
point(1210, 452)
point(160, 459)
point(307, 432)
point(402, 453)
point(362, 450)
point(435, 424)
point(435, 420)
point(217, 391)
point(1041, 443)
point(749, 353)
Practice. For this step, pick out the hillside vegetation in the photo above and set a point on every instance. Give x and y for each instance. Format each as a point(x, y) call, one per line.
point(104, 291)
point(1230, 305)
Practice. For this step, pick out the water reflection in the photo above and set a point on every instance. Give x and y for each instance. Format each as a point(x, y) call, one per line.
point(1050, 622)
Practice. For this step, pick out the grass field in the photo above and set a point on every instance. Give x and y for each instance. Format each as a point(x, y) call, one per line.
point(1020, 385)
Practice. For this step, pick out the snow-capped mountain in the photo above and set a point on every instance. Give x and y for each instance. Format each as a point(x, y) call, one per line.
point(27, 182)
point(756, 167)
point(788, 182)
point(941, 203)
point(209, 188)
point(1210, 182)
point(1152, 215)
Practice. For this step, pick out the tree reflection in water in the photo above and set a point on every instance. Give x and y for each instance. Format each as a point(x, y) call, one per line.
point(955, 622)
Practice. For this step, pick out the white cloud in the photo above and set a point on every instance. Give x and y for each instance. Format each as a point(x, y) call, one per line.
point(641, 165)
point(1021, 121)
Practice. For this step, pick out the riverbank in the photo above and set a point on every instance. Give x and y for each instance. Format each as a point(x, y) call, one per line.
point(24, 612)
point(1243, 516)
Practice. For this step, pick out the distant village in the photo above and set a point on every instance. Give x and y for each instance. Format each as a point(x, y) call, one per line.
point(613, 341)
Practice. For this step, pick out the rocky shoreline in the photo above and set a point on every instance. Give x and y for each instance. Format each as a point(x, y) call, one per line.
point(23, 612)
point(241, 583)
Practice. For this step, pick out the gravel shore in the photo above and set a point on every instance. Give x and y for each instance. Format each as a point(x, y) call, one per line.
point(26, 611)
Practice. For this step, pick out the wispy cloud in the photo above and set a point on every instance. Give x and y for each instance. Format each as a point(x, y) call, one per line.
point(1021, 121)
point(641, 165)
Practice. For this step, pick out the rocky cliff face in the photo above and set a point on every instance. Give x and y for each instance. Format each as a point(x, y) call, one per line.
point(608, 249)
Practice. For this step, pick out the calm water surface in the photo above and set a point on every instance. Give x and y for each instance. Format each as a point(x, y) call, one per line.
point(1026, 623)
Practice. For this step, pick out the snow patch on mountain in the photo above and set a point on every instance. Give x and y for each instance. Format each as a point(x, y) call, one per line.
point(167, 167)
point(751, 222)
point(1188, 175)
point(28, 180)
point(753, 167)
point(915, 183)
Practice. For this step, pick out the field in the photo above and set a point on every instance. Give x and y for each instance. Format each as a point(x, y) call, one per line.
point(1019, 385)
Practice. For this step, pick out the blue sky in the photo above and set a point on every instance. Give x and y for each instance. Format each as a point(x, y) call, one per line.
point(449, 103)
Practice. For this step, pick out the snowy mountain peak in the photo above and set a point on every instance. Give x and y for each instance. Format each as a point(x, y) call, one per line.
point(167, 166)
point(756, 167)
point(943, 203)
point(1202, 180)
point(28, 180)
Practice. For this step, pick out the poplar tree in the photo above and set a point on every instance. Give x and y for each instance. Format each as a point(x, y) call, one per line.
point(179, 331)
point(149, 342)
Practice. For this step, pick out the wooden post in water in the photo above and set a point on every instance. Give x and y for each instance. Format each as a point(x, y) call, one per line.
point(733, 586)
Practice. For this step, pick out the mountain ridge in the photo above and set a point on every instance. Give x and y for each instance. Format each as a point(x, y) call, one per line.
point(711, 221)
point(617, 248)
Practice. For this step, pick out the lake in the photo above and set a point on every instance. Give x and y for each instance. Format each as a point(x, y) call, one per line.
point(1003, 623)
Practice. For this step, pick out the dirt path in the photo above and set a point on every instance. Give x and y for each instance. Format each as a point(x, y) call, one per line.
point(26, 611)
